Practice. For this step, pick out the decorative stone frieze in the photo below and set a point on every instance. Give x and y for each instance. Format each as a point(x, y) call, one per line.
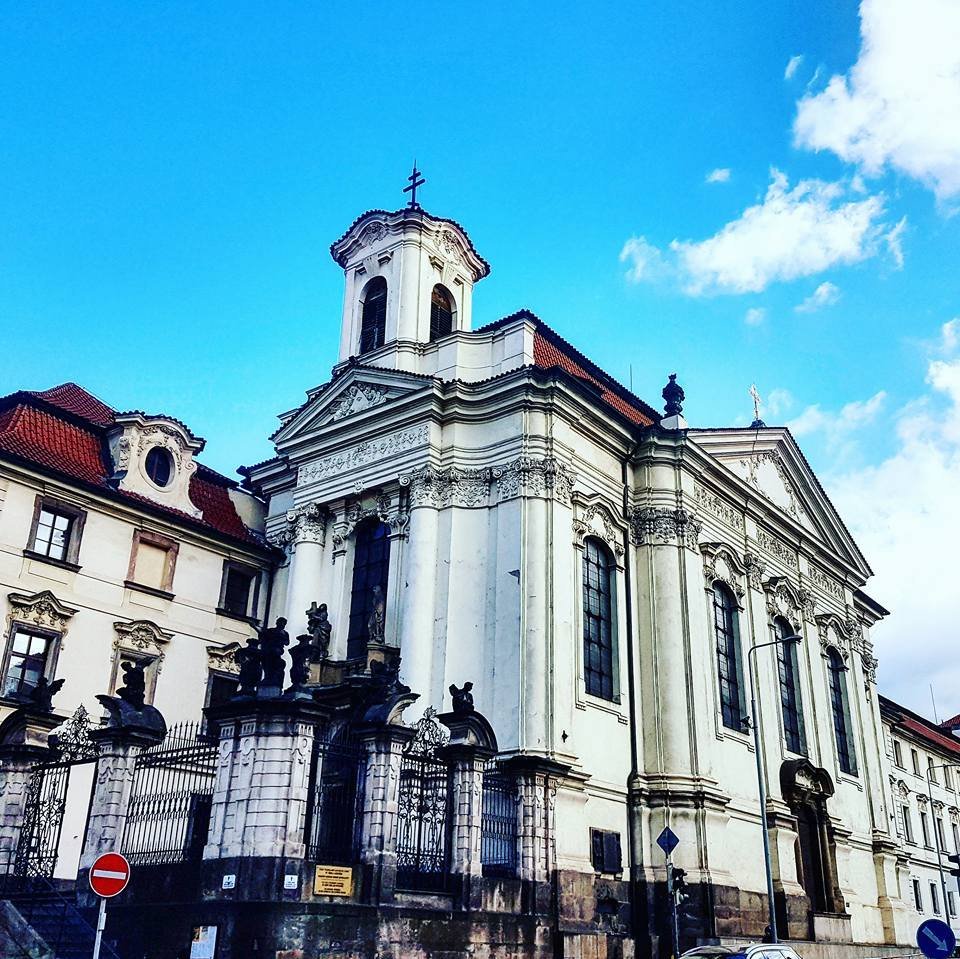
point(597, 519)
point(652, 524)
point(41, 609)
point(825, 582)
point(719, 507)
point(224, 658)
point(453, 486)
point(721, 564)
point(535, 476)
point(364, 453)
point(777, 549)
point(356, 399)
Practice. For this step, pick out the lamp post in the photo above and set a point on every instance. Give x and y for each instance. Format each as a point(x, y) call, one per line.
point(936, 833)
point(761, 778)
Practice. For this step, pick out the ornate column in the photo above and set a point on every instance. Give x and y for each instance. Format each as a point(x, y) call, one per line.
point(306, 532)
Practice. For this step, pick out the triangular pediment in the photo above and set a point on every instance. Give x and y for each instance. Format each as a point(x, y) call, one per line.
point(355, 393)
point(771, 464)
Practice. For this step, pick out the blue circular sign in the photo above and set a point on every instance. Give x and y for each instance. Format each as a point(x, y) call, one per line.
point(936, 939)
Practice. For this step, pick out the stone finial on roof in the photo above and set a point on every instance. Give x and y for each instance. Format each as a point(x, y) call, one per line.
point(673, 396)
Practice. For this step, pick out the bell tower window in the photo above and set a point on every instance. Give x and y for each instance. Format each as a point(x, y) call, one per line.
point(373, 320)
point(441, 313)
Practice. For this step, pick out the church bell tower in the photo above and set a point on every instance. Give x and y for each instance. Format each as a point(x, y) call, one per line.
point(409, 280)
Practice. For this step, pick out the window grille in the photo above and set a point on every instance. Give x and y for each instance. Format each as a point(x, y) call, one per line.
point(728, 657)
point(498, 834)
point(598, 658)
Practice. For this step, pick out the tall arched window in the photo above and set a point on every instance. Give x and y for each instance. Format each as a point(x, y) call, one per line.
point(840, 707)
point(598, 643)
point(373, 319)
point(441, 313)
point(790, 701)
point(371, 568)
point(732, 700)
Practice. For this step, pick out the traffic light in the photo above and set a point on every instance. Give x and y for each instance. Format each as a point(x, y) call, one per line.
point(681, 894)
point(954, 861)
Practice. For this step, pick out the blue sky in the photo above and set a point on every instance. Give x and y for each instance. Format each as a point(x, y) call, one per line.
point(173, 175)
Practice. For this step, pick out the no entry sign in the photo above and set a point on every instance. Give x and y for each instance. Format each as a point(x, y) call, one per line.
point(109, 874)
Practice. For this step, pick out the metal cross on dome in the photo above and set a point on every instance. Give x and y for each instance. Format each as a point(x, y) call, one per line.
point(755, 396)
point(415, 180)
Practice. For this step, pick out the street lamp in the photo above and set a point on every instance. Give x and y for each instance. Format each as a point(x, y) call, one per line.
point(761, 779)
point(936, 832)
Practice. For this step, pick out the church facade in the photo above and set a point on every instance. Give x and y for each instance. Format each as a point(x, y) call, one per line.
point(599, 572)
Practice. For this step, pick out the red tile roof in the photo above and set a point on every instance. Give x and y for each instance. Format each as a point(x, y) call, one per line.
point(64, 429)
point(923, 728)
point(941, 740)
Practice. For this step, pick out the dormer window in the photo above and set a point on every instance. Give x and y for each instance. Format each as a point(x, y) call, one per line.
point(373, 321)
point(159, 465)
point(441, 313)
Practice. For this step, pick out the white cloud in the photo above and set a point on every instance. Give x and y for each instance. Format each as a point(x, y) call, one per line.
point(720, 175)
point(898, 105)
point(644, 259)
point(792, 233)
point(894, 241)
point(779, 401)
point(826, 294)
point(950, 335)
point(755, 316)
point(793, 65)
point(838, 427)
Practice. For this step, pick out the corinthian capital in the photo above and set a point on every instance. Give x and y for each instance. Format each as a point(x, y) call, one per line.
point(307, 524)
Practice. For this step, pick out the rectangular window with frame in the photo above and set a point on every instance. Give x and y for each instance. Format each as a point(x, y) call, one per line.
point(956, 836)
point(29, 656)
point(239, 590)
point(941, 838)
point(152, 562)
point(947, 777)
point(897, 754)
point(907, 823)
point(605, 852)
point(221, 688)
point(915, 760)
point(931, 769)
point(55, 531)
point(935, 898)
point(924, 827)
point(952, 903)
point(917, 895)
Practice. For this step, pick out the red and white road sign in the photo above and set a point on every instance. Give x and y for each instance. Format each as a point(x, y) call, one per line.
point(109, 875)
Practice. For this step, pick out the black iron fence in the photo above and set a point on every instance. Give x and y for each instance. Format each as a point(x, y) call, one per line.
point(169, 812)
point(498, 835)
point(335, 804)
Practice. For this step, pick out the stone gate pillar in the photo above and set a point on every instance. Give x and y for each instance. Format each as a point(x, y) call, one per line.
point(23, 744)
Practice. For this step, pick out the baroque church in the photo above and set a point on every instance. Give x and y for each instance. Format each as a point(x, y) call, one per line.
point(529, 610)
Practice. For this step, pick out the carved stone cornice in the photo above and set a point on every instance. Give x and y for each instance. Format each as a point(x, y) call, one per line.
point(141, 634)
point(661, 524)
point(535, 476)
point(453, 486)
point(40, 609)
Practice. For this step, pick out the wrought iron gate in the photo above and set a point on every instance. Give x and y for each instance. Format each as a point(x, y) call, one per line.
point(423, 810)
point(171, 797)
point(46, 799)
point(498, 834)
point(334, 810)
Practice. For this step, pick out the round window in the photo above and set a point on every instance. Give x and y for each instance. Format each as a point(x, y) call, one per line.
point(159, 465)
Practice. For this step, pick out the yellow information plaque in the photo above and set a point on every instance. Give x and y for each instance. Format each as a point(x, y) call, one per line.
point(333, 881)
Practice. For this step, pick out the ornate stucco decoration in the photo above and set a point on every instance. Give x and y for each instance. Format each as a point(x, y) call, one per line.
point(224, 658)
point(661, 524)
point(375, 505)
point(355, 399)
point(535, 476)
point(304, 524)
point(903, 790)
point(597, 519)
point(767, 461)
point(143, 636)
point(453, 486)
point(719, 507)
point(922, 799)
point(784, 599)
point(720, 563)
point(833, 632)
point(954, 814)
point(756, 567)
point(370, 451)
point(372, 233)
point(41, 609)
point(776, 548)
point(826, 583)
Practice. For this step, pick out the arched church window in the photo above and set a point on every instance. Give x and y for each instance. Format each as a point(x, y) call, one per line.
point(790, 701)
point(840, 707)
point(729, 666)
point(598, 638)
point(371, 569)
point(441, 313)
point(373, 319)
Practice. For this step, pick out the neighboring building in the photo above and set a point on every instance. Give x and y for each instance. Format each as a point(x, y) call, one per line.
point(924, 770)
point(598, 571)
point(117, 545)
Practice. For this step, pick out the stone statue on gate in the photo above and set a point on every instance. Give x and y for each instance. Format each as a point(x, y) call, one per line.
point(250, 669)
point(41, 696)
point(134, 688)
point(462, 699)
point(300, 655)
point(377, 617)
point(273, 641)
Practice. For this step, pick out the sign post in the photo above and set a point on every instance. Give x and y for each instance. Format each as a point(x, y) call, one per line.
point(109, 876)
point(668, 841)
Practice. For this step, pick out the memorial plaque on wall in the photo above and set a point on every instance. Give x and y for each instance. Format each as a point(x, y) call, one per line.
point(333, 881)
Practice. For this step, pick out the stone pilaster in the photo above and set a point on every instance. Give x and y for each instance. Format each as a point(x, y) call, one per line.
point(262, 785)
point(384, 746)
